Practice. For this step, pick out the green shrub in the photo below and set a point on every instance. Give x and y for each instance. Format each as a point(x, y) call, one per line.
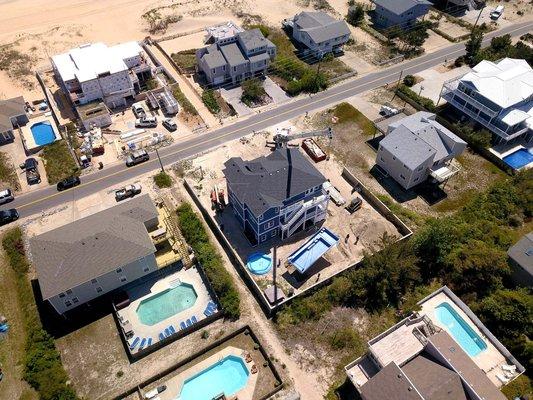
point(183, 101)
point(252, 91)
point(521, 386)
point(163, 180)
point(356, 14)
point(346, 337)
point(196, 236)
point(409, 80)
point(43, 369)
point(210, 101)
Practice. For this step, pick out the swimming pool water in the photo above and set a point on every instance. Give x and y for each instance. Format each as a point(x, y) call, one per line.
point(518, 159)
point(165, 304)
point(259, 263)
point(43, 133)
point(463, 333)
point(227, 376)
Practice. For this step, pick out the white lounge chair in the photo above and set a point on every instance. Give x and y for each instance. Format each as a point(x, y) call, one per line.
point(502, 378)
point(509, 368)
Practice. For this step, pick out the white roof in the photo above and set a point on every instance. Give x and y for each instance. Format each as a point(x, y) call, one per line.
point(506, 83)
point(89, 60)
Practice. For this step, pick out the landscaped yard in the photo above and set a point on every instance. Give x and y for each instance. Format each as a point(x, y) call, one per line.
point(58, 162)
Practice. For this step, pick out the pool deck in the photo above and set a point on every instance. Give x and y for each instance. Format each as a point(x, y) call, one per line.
point(148, 289)
point(175, 383)
point(490, 359)
point(29, 142)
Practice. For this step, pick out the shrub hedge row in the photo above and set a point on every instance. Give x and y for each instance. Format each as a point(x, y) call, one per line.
point(43, 369)
point(210, 101)
point(196, 236)
point(428, 104)
point(183, 101)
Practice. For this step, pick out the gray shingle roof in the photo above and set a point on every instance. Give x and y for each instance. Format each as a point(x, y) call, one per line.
point(389, 383)
point(423, 125)
point(522, 253)
point(433, 380)
point(400, 6)
point(321, 26)
point(252, 39)
point(462, 362)
point(232, 53)
point(262, 183)
point(92, 246)
point(407, 147)
point(8, 109)
point(213, 57)
point(259, 57)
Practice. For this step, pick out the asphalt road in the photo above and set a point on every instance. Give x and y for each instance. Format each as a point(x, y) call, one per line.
point(37, 201)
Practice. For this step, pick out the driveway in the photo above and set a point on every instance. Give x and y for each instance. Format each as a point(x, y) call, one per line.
point(233, 97)
point(276, 93)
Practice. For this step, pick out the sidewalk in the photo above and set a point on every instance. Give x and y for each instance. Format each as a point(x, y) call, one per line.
point(189, 92)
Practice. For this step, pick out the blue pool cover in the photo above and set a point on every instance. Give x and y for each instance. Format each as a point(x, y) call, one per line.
point(519, 158)
point(303, 258)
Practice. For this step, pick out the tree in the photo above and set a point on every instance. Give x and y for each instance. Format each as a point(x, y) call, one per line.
point(473, 46)
point(252, 91)
point(409, 80)
point(356, 14)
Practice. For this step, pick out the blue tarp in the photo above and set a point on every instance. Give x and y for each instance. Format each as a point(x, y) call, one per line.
point(304, 257)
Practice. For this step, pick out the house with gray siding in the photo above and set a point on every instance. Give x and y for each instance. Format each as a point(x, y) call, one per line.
point(399, 13)
point(418, 147)
point(318, 32)
point(521, 260)
point(95, 255)
point(245, 55)
point(12, 115)
point(276, 195)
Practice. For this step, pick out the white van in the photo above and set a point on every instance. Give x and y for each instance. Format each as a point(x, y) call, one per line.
point(497, 12)
point(147, 122)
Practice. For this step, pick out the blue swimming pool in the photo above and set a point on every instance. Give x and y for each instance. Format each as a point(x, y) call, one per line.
point(463, 333)
point(259, 263)
point(519, 158)
point(165, 304)
point(43, 133)
point(227, 376)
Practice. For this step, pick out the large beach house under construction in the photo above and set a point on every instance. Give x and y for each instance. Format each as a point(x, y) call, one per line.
point(276, 195)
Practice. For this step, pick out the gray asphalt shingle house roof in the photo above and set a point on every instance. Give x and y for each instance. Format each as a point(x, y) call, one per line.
point(253, 39)
point(9, 109)
point(521, 255)
point(232, 54)
point(320, 26)
point(264, 183)
point(398, 7)
point(92, 246)
point(213, 57)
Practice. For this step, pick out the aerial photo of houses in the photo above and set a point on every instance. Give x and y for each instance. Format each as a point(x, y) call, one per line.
point(285, 200)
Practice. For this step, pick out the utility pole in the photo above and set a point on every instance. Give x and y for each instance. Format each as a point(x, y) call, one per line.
point(479, 16)
point(397, 84)
point(159, 158)
point(318, 71)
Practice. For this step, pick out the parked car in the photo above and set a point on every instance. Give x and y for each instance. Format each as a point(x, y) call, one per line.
point(7, 216)
point(32, 173)
point(354, 205)
point(497, 13)
point(146, 122)
point(6, 196)
point(137, 157)
point(138, 111)
point(127, 191)
point(170, 124)
point(68, 183)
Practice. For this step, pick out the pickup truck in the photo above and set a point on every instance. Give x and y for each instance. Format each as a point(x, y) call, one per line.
point(127, 192)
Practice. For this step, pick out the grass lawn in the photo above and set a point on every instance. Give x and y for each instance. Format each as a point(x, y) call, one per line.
point(185, 59)
point(12, 347)
point(8, 175)
point(58, 162)
point(346, 113)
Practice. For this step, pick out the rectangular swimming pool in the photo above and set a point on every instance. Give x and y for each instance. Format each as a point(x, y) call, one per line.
point(519, 158)
point(43, 133)
point(227, 376)
point(460, 330)
point(165, 304)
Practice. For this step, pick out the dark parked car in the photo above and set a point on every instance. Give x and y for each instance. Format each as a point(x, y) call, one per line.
point(7, 216)
point(354, 205)
point(32, 173)
point(68, 183)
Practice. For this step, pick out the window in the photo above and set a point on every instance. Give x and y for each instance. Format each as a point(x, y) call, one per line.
point(69, 291)
point(403, 177)
point(68, 303)
point(98, 289)
point(263, 238)
point(405, 166)
point(381, 158)
point(419, 168)
point(94, 280)
point(146, 269)
point(75, 300)
point(260, 218)
point(119, 270)
point(394, 158)
point(61, 295)
point(274, 232)
point(234, 69)
point(123, 279)
point(270, 224)
point(416, 179)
